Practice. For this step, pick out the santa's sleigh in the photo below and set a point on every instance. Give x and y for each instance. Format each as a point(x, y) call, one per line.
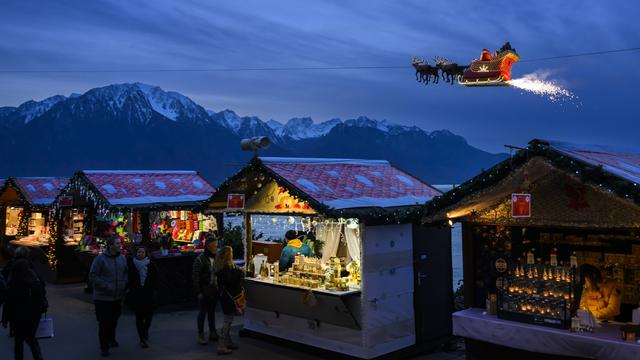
point(494, 72)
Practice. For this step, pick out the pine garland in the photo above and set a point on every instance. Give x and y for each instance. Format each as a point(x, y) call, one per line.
point(586, 172)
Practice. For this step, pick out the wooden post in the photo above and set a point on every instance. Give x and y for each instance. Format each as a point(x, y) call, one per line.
point(248, 238)
point(145, 227)
point(468, 271)
point(219, 223)
point(3, 227)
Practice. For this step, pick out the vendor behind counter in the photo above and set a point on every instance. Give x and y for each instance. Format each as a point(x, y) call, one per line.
point(600, 295)
point(296, 244)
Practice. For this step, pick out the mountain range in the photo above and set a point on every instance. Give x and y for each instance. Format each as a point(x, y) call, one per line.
point(139, 126)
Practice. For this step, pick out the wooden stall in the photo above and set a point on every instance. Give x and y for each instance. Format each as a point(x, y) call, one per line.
point(148, 207)
point(533, 226)
point(355, 215)
point(25, 204)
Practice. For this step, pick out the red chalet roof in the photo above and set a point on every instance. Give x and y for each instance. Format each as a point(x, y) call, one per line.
point(624, 163)
point(350, 183)
point(41, 190)
point(146, 187)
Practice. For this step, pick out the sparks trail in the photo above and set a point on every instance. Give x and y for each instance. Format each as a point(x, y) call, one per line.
point(537, 83)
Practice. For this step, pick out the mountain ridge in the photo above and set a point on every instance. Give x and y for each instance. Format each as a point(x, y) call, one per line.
point(148, 126)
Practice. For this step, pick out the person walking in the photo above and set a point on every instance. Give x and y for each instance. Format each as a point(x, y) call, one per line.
point(3, 290)
point(232, 297)
point(108, 275)
point(143, 287)
point(26, 302)
point(21, 252)
point(206, 288)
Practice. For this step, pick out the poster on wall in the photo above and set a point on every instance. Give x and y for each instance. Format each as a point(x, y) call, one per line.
point(65, 201)
point(520, 205)
point(235, 201)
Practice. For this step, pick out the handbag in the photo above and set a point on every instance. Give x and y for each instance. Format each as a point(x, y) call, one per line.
point(45, 328)
point(240, 301)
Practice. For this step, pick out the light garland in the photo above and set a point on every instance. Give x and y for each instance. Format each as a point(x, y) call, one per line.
point(587, 173)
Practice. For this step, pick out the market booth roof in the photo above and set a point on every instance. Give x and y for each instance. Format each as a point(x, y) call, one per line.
point(31, 191)
point(339, 186)
point(141, 188)
point(570, 185)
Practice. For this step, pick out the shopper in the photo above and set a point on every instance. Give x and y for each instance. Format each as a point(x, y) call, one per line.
point(206, 288)
point(3, 290)
point(231, 295)
point(108, 275)
point(21, 252)
point(26, 302)
point(143, 287)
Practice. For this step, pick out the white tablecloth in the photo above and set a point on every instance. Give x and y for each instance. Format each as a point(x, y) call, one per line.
point(604, 344)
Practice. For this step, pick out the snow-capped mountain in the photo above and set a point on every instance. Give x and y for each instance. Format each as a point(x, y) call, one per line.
point(298, 128)
point(244, 127)
point(28, 111)
point(147, 100)
point(141, 126)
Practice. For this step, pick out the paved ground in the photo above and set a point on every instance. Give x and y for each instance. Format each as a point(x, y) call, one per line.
point(172, 335)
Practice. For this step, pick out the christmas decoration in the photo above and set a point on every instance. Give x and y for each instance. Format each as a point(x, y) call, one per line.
point(246, 180)
point(586, 173)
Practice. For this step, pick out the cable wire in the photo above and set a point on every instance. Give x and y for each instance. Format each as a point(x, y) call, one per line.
point(293, 68)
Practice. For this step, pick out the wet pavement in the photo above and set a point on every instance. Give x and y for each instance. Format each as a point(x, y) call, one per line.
point(172, 335)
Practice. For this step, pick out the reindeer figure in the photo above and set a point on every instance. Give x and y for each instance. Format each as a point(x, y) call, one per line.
point(424, 71)
point(450, 71)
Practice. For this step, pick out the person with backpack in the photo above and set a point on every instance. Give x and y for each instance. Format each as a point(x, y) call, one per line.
point(3, 290)
point(26, 302)
point(232, 297)
point(143, 288)
point(109, 278)
point(205, 285)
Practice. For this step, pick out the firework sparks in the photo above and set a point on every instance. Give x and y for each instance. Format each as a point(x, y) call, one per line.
point(537, 83)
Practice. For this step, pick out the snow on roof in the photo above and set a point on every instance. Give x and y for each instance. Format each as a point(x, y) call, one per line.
point(623, 162)
point(145, 187)
point(326, 161)
point(352, 183)
point(41, 190)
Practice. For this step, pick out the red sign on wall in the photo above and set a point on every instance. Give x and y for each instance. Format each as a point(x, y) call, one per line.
point(520, 205)
point(65, 200)
point(235, 201)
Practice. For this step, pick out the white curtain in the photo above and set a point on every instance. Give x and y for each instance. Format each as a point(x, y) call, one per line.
point(330, 234)
point(353, 243)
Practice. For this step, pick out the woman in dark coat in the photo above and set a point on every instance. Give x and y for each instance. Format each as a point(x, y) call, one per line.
point(26, 301)
point(143, 287)
point(230, 279)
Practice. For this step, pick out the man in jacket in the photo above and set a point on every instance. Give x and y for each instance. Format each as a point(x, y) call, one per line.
point(205, 285)
point(294, 246)
point(108, 275)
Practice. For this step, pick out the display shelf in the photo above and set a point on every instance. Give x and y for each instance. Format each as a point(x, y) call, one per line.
point(539, 294)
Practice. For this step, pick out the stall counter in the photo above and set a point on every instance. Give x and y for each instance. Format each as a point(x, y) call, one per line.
point(324, 291)
point(603, 344)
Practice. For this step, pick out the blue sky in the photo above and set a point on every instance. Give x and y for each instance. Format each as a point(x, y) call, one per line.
point(83, 35)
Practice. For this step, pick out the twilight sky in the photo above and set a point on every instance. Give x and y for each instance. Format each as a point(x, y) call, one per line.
point(196, 34)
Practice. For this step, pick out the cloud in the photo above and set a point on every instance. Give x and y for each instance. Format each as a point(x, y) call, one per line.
point(94, 34)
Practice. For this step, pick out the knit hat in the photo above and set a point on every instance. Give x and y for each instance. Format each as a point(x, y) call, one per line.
point(292, 234)
point(210, 238)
